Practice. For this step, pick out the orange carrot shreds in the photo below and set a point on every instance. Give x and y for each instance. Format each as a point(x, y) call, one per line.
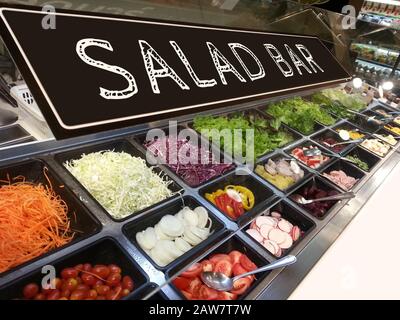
point(33, 221)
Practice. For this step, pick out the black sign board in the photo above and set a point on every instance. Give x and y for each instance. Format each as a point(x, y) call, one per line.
point(91, 72)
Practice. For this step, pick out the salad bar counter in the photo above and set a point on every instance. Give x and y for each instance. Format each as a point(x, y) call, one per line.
point(115, 226)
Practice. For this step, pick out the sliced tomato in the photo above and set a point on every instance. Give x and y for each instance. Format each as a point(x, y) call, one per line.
point(193, 271)
point(187, 295)
point(220, 256)
point(181, 283)
point(235, 256)
point(207, 293)
point(247, 263)
point(241, 285)
point(224, 266)
point(207, 265)
point(194, 287)
point(313, 162)
point(238, 269)
point(226, 296)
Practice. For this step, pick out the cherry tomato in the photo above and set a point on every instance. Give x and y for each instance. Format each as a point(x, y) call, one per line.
point(101, 298)
point(241, 285)
point(83, 287)
point(92, 294)
point(181, 283)
point(40, 296)
point(114, 279)
point(63, 298)
point(69, 273)
point(79, 267)
point(88, 279)
point(112, 295)
point(98, 283)
point(235, 256)
point(87, 267)
point(247, 263)
point(193, 271)
point(54, 295)
point(103, 290)
point(57, 283)
point(101, 271)
point(125, 292)
point(114, 268)
point(79, 294)
point(207, 293)
point(66, 293)
point(238, 269)
point(127, 283)
point(70, 284)
point(30, 290)
point(219, 256)
point(224, 267)
point(207, 265)
point(226, 296)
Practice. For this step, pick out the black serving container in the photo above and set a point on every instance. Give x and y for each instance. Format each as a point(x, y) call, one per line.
point(348, 169)
point(278, 156)
point(320, 184)
point(363, 124)
point(233, 243)
point(345, 125)
point(190, 134)
point(328, 133)
point(384, 132)
point(116, 146)
point(152, 219)
point(383, 142)
point(104, 251)
point(82, 221)
point(369, 158)
point(263, 195)
point(147, 289)
point(295, 217)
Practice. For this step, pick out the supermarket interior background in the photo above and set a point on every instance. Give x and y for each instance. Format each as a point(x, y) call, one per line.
point(91, 193)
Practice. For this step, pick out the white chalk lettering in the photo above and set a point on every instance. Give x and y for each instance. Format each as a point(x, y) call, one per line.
point(307, 55)
point(261, 72)
point(279, 60)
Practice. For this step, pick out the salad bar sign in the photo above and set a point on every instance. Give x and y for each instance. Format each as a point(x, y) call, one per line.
point(94, 72)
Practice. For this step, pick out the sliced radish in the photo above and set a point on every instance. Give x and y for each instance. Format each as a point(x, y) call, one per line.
point(277, 235)
point(253, 225)
point(265, 220)
point(255, 234)
point(278, 253)
point(285, 225)
point(276, 214)
point(287, 243)
point(264, 230)
point(296, 232)
point(271, 246)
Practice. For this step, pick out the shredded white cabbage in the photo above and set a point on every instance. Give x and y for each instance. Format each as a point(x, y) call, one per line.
point(121, 183)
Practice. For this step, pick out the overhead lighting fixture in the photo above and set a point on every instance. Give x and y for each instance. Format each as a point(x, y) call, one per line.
point(387, 85)
point(357, 83)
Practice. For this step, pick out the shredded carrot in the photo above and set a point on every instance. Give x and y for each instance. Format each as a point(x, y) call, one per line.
point(33, 221)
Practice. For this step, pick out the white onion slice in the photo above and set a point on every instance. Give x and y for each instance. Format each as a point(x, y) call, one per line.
point(182, 245)
point(171, 226)
point(202, 216)
point(202, 233)
point(150, 238)
point(190, 217)
point(160, 234)
point(170, 248)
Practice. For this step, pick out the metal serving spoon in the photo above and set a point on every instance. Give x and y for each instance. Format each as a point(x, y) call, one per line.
point(342, 196)
point(221, 282)
point(316, 152)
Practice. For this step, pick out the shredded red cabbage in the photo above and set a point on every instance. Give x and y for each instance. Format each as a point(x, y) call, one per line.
point(195, 165)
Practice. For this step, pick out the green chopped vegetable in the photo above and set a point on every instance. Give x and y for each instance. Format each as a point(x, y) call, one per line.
point(122, 184)
point(267, 134)
point(300, 114)
point(358, 162)
point(354, 101)
point(333, 107)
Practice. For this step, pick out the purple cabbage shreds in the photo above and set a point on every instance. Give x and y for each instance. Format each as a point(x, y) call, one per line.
point(195, 165)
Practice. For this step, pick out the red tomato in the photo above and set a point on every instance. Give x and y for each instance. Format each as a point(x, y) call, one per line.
point(224, 266)
point(127, 283)
point(227, 296)
point(247, 263)
point(219, 256)
point(181, 283)
point(207, 293)
point(241, 285)
point(194, 287)
point(30, 290)
point(193, 271)
point(207, 265)
point(238, 269)
point(69, 273)
point(235, 256)
point(54, 295)
point(187, 295)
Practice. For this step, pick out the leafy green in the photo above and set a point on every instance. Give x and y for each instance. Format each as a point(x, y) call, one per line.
point(354, 101)
point(334, 107)
point(265, 140)
point(358, 162)
point(300, 114)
